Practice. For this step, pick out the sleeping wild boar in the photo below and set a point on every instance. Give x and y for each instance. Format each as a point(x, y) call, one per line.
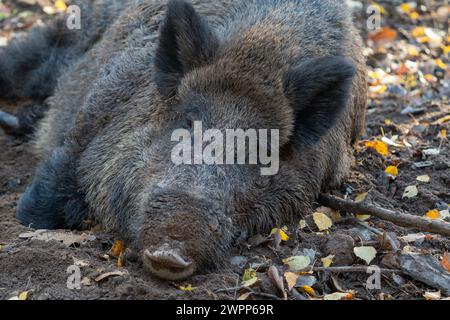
point(125, 85)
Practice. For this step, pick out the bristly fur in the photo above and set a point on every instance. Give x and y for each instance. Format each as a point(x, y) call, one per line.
point(291, 65)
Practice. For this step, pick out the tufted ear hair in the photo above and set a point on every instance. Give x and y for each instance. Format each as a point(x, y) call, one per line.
point(185, 42)
point(318, 90)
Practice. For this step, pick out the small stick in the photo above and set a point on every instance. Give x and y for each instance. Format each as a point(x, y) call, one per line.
point(400, 219)
point(353, 269)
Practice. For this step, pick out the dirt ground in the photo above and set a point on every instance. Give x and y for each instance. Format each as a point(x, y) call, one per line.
point(399, 78)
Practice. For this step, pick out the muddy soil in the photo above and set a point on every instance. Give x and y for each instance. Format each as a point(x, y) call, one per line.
point(40, 267)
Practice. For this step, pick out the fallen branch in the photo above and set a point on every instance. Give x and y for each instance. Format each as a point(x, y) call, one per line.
point(401, 219)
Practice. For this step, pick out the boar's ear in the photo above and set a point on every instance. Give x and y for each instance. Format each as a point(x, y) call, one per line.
point(318, 90)
point(185, 42)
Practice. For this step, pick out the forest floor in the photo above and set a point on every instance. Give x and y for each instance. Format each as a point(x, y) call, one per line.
point(402, 163)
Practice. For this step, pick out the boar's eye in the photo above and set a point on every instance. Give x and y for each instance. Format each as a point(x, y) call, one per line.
point(318, 90)
point(185, 42)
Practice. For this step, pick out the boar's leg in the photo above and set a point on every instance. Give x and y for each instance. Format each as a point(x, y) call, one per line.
point(24, 123)
point(53, 200)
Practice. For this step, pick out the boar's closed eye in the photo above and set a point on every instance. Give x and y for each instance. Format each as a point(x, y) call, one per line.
point(185, 42)
point(318, 90)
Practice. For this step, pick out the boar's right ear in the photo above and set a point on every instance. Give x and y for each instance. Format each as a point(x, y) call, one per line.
point(185, 42)
point(318, 90)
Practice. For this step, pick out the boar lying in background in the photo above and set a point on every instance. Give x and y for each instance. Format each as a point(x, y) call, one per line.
point(122, 85)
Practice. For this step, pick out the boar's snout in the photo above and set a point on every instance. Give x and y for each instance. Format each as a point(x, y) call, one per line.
point(183, 234)
point(168, 262)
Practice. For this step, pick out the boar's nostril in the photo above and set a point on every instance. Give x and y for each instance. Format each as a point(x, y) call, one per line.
point(168, 264)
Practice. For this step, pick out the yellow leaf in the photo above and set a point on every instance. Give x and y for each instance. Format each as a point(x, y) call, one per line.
point(405, 7)
point(442, 134)
point(418, 32)
point(327, 261)
point(365, 253)
point(322, 221)
point(442, 120)
point(187, 287)
point(60, 5)
point(291, 279)
point(392, 170)
point(281, 232)
point(309, 291)
point(363, 217)
point(433, 214)
point(425, 178)
point(378, 146)
point(249, 274)
point(361, 197)
point(440, 64)
point(414, 15)
point(432, 295)
point(379, 8)
point(23, 295)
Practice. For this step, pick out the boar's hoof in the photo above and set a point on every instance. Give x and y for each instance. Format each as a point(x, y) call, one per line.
point(168, 264)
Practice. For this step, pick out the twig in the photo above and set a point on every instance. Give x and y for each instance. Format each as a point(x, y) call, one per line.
point(400, 219)
point(391, 241)
point(353, 269)
point(256, 293)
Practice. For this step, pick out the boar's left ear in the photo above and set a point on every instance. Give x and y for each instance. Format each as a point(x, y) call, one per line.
point(185, 42)
point(318, 90)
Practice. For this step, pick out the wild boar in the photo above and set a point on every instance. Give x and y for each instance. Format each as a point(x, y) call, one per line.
point(107, 139)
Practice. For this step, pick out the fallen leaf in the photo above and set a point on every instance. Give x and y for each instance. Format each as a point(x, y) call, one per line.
point(442, 120)
point(117, 249)
point(244, 296)
point(392, 170)
point(432, 295)
point(297, 263)
point(433, 214)
point(277, 280)
point(66, 237)
point(424, 178)
point(327, 261)
point(410, 192)
point(379, 146)
point(60, 5)
point(363, 217)
point(281, 232)
point(249, 278)
point(310, 291)
point(385, 34)
point(23, 295)
point(338, 296)
point(187, 287)
point(322, 221)
point(365, 253)
point(107, 275)
point(291, 279)
point(446, 261)
point(413, 237)
point(302, 224)
point(361, 197)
